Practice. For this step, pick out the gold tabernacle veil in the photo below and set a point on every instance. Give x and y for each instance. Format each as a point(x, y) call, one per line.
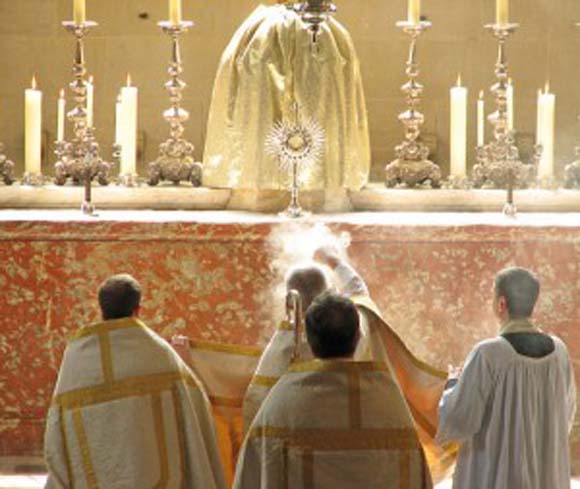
point(269, 65)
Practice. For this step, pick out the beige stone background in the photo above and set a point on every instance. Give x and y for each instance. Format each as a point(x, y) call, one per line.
point(546, 46)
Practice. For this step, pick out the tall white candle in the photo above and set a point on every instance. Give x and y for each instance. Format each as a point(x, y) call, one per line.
point(548, 124)
point(90, 102)
point(480, 120)
point(129, 95)
point(502, 11)
point(33, 129)
point(510, 105)
point(458, 130)
point(539, 119)
point(61, 117)
point(119, 124)
point(79, 11)
point(175, 11)
point(414, 12)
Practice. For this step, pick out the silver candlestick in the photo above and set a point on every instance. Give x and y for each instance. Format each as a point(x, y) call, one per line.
point(6, 168)
point(79, 158)
point(498, 163)
point(412, 166)
point(176, 161)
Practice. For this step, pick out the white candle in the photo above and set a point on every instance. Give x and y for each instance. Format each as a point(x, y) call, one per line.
point(414, 12)
point(510, 105)
point(129, 95)
point(481, 120)
point(61, 116)
point(119, 120)
point(90, 102)
point(79, 11)
point(33, 129)
point(502, 10)
point(539, 119)
point(458, 130)
point(548, 123)
point(175, 11)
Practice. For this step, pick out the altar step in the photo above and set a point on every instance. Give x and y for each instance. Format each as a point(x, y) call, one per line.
point(374, 197)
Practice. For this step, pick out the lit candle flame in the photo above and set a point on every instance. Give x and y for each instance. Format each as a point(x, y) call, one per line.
point(62, 93)
point(128, 79)
point(91, 79)
point(459, 80)
point(33, 83)
point(547, 88)
point(481, 95)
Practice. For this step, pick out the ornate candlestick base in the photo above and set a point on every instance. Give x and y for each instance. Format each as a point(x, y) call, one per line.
point(457, 183)
point(6, 168)
point(33, 179)
point(128, 180)
point(412, 166)
point(176, 161)
point(498, 164)
point(572, 172)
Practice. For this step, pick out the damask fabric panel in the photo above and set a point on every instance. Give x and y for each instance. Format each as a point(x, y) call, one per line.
point(128, 413)
point(269, 64)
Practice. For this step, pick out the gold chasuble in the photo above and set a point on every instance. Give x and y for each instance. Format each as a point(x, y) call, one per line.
point(421, 384)
point(269, 65)
point(338, 424)
point(128, 413)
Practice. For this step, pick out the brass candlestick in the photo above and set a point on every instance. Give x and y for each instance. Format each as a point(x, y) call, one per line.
point(176, 161)
point(79, 159)
point(6, 168)
point(498, 163)
point(412, 166)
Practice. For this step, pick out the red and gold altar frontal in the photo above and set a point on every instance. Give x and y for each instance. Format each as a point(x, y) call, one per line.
point(213, 276)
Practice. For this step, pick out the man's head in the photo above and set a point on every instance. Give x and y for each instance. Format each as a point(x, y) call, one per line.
point(332, 326)
point(308, 281)
point(516, 293)
point(119, 297)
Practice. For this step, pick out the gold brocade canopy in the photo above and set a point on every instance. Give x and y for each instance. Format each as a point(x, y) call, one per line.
point(269, 65)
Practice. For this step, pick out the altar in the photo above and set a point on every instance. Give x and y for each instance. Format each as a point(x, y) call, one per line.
point(211, 275)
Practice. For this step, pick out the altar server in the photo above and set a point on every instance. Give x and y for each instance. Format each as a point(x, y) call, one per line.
point(513, 406)
point(421, 385)
point(127, 412)
point(333, 422)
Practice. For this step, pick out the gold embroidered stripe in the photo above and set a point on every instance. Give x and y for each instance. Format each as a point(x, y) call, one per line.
point(61, 422)
point(179, 426)
point(106, 356)
point(158, 422)
point(248, 351)
point(318, 439)
point(85, 450)
point(354, 403)
point(226, 401)
point(264, 381)
point(338, 366)
point(308, 470)
point(405, 470)
point(134, 386)
point(107, 326)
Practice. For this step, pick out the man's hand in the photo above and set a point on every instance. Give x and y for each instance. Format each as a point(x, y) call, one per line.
point(181, 345)
point(328, 255)
point(454, 372)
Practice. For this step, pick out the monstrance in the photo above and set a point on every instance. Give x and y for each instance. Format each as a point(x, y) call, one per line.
point(314, 13)
point(298, 144)
point(6, 168)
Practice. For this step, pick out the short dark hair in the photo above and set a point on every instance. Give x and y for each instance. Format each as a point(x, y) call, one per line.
point(309, 281)
point(332, 326)
point(521, 289)
point(119, 297)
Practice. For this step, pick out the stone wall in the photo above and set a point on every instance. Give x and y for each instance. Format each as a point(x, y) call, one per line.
point(128, 39)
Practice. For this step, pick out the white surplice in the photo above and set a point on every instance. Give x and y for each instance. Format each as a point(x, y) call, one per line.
point(513, 415)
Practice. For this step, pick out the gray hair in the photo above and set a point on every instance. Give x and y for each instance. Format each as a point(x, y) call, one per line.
point(119, 296)
point(521, 289)
point(310, 281)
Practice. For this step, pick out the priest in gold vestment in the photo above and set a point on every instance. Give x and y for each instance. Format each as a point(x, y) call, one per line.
point(269, 66)
point(127, 412)
point(333, 422)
